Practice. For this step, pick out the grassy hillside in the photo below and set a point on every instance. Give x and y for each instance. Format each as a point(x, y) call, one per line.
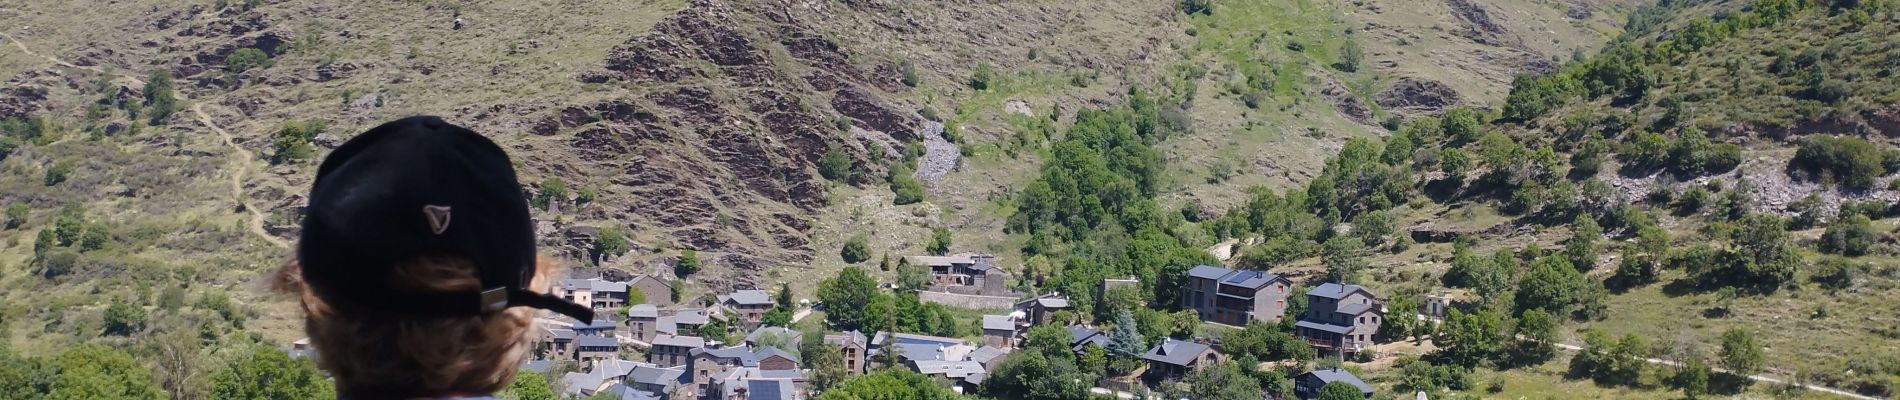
point(1694, 149)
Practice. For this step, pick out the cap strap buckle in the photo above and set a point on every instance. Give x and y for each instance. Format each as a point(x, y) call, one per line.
point(494, 299)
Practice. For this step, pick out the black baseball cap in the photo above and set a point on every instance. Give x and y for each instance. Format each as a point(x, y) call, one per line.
point(415, 188)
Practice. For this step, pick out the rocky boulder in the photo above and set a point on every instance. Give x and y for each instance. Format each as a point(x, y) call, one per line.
point(1418, 95)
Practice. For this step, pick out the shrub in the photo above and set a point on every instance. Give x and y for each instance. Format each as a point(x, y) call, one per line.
point(1834, 273)
point(553, 191)
point(856, 250)
point(939, 242)
point(57, 173)
point(245, 59)
point(983, 78)
point(16, 215)
point(292, 144)
point(905, 187)
point(1850, 236)
point(1851, 162)
point(1462, 125)
point(160, 102)
point(1204, 7)
point(688, 263)
point(834, 165)
point(910, 74)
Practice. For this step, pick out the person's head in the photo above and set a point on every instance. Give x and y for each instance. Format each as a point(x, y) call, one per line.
point(415, 256)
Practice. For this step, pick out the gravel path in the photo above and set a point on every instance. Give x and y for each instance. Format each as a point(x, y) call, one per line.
point(940, 156)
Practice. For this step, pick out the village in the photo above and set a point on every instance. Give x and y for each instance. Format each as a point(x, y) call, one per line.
point(730, 349)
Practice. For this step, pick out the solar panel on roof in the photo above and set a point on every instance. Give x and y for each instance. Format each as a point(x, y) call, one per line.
point(1243, 276)
point(764, 389)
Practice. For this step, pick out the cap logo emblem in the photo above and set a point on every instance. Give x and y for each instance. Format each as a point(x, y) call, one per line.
point(438, 218)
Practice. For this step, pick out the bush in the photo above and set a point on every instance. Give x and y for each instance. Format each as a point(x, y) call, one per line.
point(244, 59)
point(1834, 273)
point(905, 187)
point(160, 102)
point(1850, 236)
point(688, 264)
point(292, 144)
point(856, 250)
point(1204, 7)
point(553, 192)
point(57, 173)
point(1851, 162)
point(983, 78)
point(910, 74)
point(939, 242)
point(1462, 125)
point(16, 215)
point(834, 165)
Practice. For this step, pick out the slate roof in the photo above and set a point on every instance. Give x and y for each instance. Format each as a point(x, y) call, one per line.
point(596, 341)
point(998, 323)
point(580, 383)
point(1250, 279)
point(936, 261)
point(691, 317)
point(536, 365)
point(1354, 309)
point(767, 352)
point(984, 354)
point(654, 375)
point(678, 341)
point(643, 311)
point(884, 338)
point(842, 338)
point(1340, 375)
point(593, 284)
point(961, 370)
point(1208, 272)
point(739, 355)
point(1335, 291)
point(560, 334)
point(596, 324)
point(1082, 335)
point(748, 297)
point(1321, 326)
point(1175, 352)
point(792, 337)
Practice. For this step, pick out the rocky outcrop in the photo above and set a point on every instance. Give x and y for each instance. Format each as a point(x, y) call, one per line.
point(872, 113)
point(720, 153)
point(1418, 95)
point(26, 92)
point(1478, 23)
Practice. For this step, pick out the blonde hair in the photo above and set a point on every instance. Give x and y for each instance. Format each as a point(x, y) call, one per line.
point(384, 358)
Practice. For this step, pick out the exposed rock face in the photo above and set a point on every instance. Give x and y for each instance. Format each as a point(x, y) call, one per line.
point(722, 154)
point(1477, 22)
point(26, 93)
point(1418, 95)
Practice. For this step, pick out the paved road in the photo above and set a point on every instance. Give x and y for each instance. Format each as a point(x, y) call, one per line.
point(1757, 378)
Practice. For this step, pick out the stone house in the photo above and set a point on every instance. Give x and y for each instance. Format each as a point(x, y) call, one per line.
point(750, 305)
point(973, 271)
point(1039, 310)
point(1173, 359)
point(853, 345)
point(643, 322)
point(1307, 385)
point(657, 290)
point(1342, 318)
point(590, 348)
point(1235, 297)
point(672, 351)
point(999, 331)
